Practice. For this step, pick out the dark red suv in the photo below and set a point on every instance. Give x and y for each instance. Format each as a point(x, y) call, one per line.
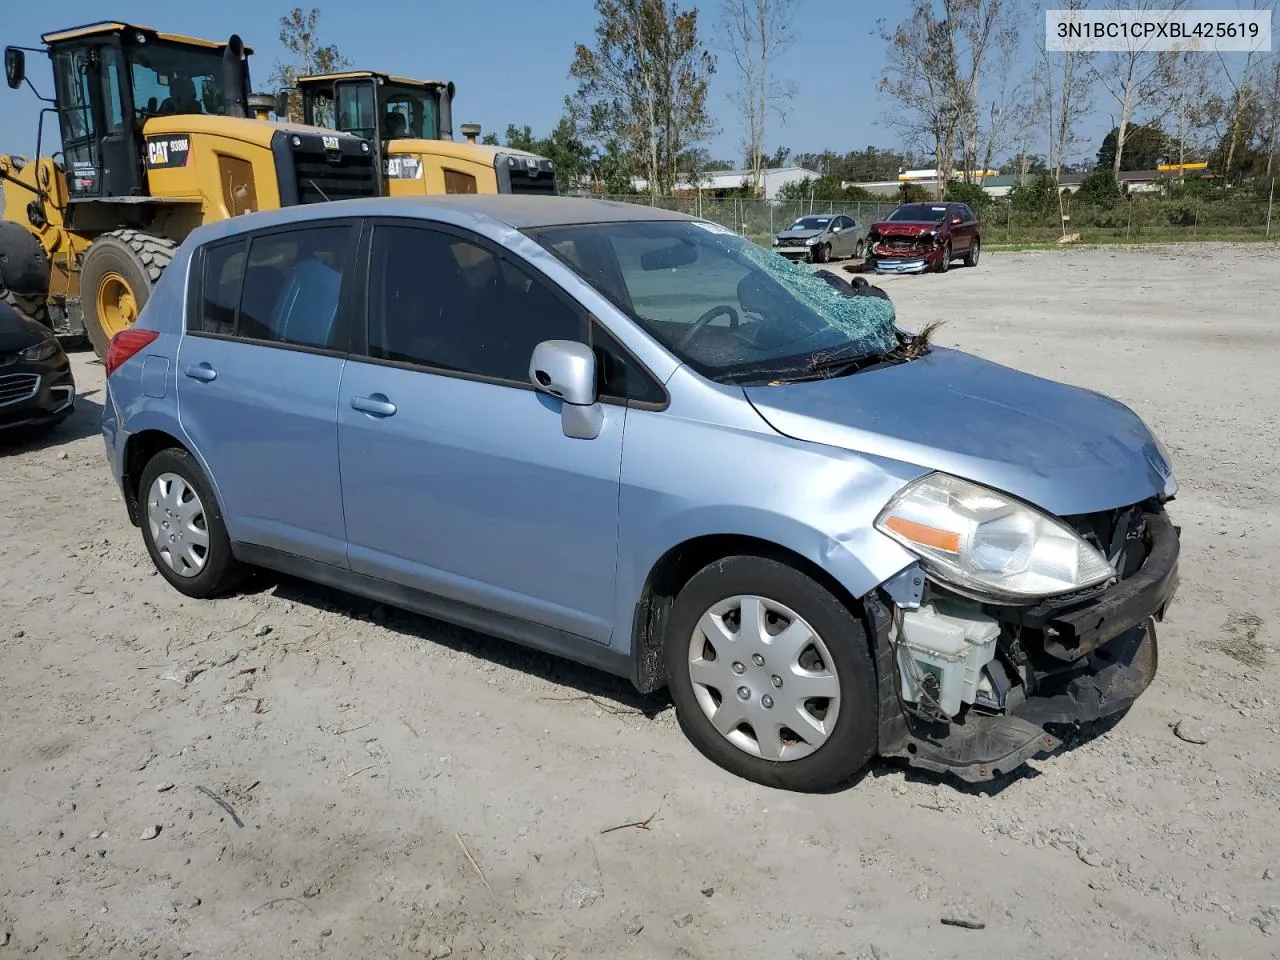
point(924, 236)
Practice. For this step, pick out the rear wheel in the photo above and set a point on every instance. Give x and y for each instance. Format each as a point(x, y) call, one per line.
point(120, 270)
point(182, 526)
point(771, 675)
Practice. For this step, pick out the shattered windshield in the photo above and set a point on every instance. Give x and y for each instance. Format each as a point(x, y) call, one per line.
point(919, 213)
point(810, 223)
point(733, 311)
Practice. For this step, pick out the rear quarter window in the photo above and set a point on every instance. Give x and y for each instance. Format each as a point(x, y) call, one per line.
point(221, 279)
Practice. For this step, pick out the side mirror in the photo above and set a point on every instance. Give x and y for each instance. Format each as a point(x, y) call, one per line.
point(282, 104)
point(956, 220)
point(836, 229)
point(15, 67)
point(566, 369)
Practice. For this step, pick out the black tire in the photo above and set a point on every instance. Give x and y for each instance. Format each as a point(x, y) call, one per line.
point(24, 272)
point(824, 253)
point(852, 741)
point(860, 250)
point(139, 258)
point(33, 308)
point(973, 253)
point(221, 571)
point(945, 264)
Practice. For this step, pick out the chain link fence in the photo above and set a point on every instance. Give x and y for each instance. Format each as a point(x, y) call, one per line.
point(1133, 218)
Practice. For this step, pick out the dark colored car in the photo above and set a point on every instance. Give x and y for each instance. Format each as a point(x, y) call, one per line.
point(36, 386)
point(924, 236)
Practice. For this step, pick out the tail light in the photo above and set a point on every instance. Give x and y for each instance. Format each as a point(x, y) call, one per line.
point(125, 344)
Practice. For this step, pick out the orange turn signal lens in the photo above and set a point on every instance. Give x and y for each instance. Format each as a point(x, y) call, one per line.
point(925, 535)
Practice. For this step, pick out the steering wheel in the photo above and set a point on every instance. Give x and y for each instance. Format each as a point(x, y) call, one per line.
point(706, 318)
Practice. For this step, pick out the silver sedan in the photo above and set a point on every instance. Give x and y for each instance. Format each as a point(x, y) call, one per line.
point(821, 237)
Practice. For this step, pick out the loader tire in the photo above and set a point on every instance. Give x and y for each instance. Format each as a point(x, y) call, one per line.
point(120, 271)
point(24, 272)
point(33, 308)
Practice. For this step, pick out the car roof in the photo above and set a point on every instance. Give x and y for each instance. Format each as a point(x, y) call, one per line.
point(473, 210)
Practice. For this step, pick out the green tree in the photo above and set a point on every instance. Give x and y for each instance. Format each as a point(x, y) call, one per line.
point(1036, 196)
point(643, 86)
point(1100, 189)
point(299, 35)
point(960, 192)
point(1145, 146)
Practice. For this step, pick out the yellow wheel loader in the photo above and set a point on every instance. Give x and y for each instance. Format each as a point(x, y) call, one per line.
point(411, 124)
point(160, 134)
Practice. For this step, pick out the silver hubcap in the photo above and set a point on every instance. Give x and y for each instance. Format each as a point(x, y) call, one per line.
point(764, 678)
point(175, 516)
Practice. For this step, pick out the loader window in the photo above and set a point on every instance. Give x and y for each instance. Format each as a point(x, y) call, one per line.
point(170, 78)
point(414, 110)
point(356, 109)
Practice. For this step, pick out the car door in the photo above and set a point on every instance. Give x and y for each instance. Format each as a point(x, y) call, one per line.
point(259, 371)
point(457, 476)
point(848, 236)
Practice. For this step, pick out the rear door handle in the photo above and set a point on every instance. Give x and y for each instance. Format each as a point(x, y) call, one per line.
point(202, 371)
point(377, 405)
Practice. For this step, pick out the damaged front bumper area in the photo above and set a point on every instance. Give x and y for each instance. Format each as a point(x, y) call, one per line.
point(904, 255)
point(1063, 662)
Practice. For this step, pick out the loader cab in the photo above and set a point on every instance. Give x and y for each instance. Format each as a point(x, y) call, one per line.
point(378, 107)
point(110, 78)
point(411, 124)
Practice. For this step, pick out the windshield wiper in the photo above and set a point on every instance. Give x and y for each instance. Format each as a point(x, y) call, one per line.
point(827, 364)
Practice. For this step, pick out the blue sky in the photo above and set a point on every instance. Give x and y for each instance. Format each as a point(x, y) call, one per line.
point(509, 59)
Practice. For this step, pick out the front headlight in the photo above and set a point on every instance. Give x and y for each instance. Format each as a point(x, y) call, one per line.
point(40, 351)
point(811, 241)
point(988, 544)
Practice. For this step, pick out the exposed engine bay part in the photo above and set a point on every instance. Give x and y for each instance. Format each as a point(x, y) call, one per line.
point(975, 688)
point(942, 650)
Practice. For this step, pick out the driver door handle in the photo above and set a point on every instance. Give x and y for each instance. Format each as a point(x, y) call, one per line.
point(202, 372)
point(376, 405)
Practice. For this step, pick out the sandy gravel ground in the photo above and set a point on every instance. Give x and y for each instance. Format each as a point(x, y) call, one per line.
point(311, 788)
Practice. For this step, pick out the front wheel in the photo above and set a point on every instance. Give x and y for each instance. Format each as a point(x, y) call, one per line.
point(945, 263)
point(975, 250)
point(182, 526)
point(771, 675)
point(859, 250)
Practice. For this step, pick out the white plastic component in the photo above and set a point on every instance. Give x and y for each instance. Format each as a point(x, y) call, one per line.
point(951, 640)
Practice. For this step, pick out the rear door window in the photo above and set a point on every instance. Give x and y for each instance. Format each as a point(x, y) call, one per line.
point(293, 286)
point(284, 287)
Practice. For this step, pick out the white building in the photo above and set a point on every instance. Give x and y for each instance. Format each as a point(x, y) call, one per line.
point(716, 182)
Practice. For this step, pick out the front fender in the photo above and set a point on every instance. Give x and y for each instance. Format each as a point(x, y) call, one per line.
point(682, 480)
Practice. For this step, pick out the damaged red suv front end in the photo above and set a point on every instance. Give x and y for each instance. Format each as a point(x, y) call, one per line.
point(918, 237)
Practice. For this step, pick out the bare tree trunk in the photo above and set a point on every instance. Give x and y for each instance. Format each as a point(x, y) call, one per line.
point(1064, 116)
point(1126, 110)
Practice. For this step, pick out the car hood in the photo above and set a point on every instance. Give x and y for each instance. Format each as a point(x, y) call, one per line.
point(798, 234)
point(16, 331)
point(904, 229)
point(1065, 449)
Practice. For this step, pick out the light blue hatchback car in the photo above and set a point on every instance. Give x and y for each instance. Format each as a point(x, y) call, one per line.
point(634, 439)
